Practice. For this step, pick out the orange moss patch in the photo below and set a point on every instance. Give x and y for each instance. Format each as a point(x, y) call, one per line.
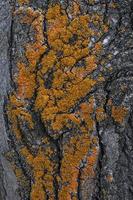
point(119, 113)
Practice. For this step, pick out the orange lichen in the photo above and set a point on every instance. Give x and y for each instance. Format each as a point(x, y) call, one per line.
point(66, 85)
point(87, 110)
point(26, 82)
point(109, 178)
point(21, 2)
point(91, 161)
point(91, 1)
point(71, 163)
point(69, 83)
point(43, 170)
point(119, 113)
point(100, 114)
point(53, 12)
point(18, 173)
point(76, 8)
point(55, 77)
point(12, 114)
point(74, 153)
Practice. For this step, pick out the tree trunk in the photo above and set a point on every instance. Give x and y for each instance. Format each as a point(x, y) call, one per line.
point(66, 91)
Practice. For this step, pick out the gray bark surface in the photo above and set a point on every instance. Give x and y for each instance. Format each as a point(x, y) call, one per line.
point(8, 183)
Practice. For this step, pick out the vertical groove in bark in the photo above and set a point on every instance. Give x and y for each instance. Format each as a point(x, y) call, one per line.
point(8, 185)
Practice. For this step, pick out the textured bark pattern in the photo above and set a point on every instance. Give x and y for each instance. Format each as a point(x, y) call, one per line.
point(8, 183)
point(67, 124)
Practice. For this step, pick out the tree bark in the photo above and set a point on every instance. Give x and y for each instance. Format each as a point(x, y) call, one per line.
point(66, 119)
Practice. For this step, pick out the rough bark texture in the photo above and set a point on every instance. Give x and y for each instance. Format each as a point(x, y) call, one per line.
point(66, 109)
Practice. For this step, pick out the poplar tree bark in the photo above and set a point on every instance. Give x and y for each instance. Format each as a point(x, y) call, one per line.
point(66, 99)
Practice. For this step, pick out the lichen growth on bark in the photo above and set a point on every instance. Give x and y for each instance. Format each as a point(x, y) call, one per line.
point(55, 81)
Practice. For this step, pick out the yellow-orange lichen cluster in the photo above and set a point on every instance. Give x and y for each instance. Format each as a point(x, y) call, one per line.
point(70, 62)
point(100, 114)
point(22, 2)
point(58, 76)
point(74, 153)
point(43, 172)
point(119, 113)
point(66, 57)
